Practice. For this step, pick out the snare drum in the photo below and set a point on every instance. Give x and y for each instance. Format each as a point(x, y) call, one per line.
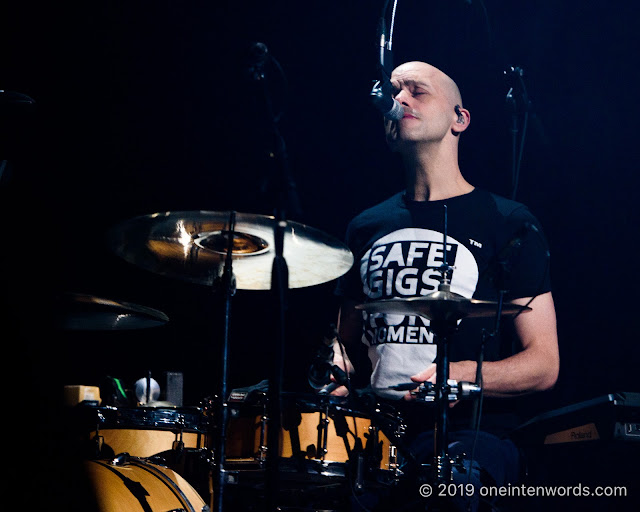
point(319, 431)
point(146, 431)
point(133, 484)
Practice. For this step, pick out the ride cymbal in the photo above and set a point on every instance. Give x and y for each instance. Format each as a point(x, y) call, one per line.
point(441, 304)
point(192, 246)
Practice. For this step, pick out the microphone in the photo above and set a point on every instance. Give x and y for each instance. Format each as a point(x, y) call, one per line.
point(505, 254)
point(516, 241)
point(258, 56)
point(385, 102)
point(338, 374)
point(319, 375)
point(499, 268)
point(328, 389)
point(340, 377)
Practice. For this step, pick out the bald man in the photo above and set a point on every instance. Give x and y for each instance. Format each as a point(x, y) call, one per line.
point(398, 249)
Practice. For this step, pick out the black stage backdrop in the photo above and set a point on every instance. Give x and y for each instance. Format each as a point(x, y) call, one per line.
point(144, 107)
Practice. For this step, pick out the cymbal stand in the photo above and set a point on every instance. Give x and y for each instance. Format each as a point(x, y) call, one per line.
point(443, 326)
point(228, 285)
point(444, 323)
point(443, 330)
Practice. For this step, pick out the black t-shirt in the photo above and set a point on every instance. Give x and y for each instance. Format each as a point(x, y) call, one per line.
point(398, 251)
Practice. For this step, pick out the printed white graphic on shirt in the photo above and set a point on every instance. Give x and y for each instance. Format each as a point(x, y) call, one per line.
point(406, 263)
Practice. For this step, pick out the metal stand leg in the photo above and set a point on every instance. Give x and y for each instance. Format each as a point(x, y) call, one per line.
point(228, 285)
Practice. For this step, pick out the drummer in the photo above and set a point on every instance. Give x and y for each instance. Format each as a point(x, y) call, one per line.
point(398, 249)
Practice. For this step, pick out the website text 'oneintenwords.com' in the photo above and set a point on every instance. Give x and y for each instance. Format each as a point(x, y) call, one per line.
point(468, 490)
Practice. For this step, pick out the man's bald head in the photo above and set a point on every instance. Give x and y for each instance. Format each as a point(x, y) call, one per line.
point(439, 79)
point(432, 104)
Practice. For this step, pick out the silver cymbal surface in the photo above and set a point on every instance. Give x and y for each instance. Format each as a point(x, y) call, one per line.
point(76, 311)
point(192, 246)
point(441, 304)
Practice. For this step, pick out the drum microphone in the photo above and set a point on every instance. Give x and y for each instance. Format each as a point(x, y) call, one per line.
point(321, 368)
point(341, 380)
point(321, 381)
point(329, 388)
point(516, 240)
point(501, 259)
point(319, 375)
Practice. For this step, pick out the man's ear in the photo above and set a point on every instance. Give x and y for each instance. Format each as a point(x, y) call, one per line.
point(463, 118)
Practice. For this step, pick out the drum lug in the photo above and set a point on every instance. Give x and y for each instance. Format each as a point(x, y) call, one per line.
point(121, 459)
point(262, 450)
point(98, 443)
point(98, 440)
point(393, 458)
point(394, 465)
point(178, 445)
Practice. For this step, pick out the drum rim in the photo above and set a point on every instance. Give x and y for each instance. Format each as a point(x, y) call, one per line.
point(182, 418)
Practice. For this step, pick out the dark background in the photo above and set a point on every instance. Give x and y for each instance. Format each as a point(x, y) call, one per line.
point(146, 107)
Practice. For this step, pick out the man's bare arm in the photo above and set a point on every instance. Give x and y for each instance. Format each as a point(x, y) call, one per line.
point(535, 368)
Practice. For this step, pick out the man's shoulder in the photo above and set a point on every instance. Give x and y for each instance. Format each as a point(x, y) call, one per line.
point(505, 207)
point(379, 211)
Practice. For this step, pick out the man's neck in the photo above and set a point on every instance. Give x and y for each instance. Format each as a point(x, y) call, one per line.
point(434, 176)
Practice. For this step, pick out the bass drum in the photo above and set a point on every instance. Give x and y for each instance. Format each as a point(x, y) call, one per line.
point(176, 437)
point(130, 484)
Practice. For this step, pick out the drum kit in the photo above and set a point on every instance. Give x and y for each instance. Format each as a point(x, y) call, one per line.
point(258, 448)
point(255, 448)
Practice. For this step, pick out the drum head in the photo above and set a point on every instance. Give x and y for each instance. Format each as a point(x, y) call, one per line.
point(139, 485)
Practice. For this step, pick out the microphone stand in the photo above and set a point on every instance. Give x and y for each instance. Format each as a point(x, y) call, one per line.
point(512, 106)
point(286, 196)
point(528, 111)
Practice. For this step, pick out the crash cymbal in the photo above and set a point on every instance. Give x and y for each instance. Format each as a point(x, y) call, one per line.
point(441, 304)
point(192, 246)
point(74, 311)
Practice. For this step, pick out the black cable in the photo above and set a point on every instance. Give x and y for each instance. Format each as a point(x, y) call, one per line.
point(283, 76)
point(516, 172)
point(542, 281)
point(488, 24)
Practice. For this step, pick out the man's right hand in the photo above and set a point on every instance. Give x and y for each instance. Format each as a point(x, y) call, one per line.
point(340, 391)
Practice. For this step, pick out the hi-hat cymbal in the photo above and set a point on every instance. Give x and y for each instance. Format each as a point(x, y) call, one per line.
point(441, 305)
point(75, 311)
point(192, 246)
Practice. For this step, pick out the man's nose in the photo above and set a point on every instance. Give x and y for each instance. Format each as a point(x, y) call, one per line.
point(402, 97)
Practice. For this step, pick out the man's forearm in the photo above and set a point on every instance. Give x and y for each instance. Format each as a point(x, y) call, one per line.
point(525, 372)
